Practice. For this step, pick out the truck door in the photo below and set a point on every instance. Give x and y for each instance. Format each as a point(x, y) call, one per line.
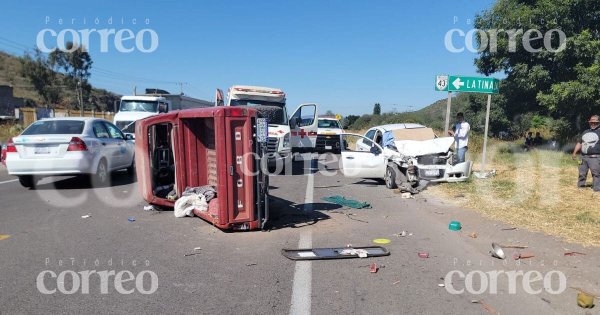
point(304, 126)
point(156, 150)
point(361, 163)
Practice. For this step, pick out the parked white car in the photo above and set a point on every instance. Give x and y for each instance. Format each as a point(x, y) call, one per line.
point(69, 146)
point(410, 149)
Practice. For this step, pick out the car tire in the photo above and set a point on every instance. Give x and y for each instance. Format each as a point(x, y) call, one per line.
point(131, 168)
point(27, 181)
point(101, 178)
point(390, 178)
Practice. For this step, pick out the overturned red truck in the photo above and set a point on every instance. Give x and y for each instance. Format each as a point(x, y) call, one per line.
point(217, 147)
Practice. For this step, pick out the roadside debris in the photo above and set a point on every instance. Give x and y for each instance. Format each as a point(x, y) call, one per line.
point(342, 201)
point(473, 235)
point(402, 234)
point(149, 208)
point(335, 253)
point(484, 175)
point(4, 236)
point(485, 306)
point(131, 219)
point(439, 212)
point(196, 249)
point(573, 253)
point(381, 241)
point(455, 226)
point(546, 300)
point(373, 268)
point(251, 264)
point(497, 251)
point(517, 256)
point(513, 246)
point(86, 216)
point(396, 282)
point(585, 300)
point(406, 195)
point(509, 229)
point(423, 254)
point(441, 285)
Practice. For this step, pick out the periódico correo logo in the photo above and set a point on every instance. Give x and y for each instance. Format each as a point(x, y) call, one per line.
point(124, 40)
point(71, 282)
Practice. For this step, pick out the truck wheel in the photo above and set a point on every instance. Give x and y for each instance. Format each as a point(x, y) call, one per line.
point(390, 178)
point(27, 181)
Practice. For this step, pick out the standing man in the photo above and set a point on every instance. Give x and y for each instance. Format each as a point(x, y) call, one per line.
point(589, 145)
point(461, 136)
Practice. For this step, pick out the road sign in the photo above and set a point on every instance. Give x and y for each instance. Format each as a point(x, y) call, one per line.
point(262, 129)
point(441, 83)
point(338, 116)
point(473, 84)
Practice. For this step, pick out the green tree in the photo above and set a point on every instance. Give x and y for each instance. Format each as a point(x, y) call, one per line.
point(377, 109)
point(561, 82)
point(38, 71)
point(75, 63)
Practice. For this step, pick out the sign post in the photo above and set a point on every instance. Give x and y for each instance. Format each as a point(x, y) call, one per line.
point(455, 83)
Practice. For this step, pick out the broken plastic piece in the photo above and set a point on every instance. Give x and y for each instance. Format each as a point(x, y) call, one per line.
point(373, 268)
point(381, 241)
point(334, 253)
point(85, 216)
point(131, 219)
point(423, 255)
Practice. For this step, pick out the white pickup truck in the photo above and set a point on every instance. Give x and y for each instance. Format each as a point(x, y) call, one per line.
point(135, 107)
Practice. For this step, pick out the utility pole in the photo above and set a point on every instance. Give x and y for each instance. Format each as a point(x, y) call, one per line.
point(80, 98)
point(181, 87)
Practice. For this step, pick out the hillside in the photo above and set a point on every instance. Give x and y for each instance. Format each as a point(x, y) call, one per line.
point(433, 115)
point(10, 74)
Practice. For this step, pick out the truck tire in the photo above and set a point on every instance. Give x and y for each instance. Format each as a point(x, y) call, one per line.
point(390, 178)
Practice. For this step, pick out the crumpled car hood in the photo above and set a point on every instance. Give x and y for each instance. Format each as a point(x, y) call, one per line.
point(417, 148)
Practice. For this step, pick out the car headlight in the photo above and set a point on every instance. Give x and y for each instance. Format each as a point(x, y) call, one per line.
point(286, 140)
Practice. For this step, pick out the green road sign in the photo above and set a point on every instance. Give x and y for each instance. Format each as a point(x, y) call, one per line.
point(473, 84)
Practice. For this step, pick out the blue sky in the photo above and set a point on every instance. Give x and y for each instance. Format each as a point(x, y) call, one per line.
point(345, 55)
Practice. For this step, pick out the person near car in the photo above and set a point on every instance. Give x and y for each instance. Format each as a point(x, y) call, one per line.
point(589, 145)
point(461, 136)
point(529, 141)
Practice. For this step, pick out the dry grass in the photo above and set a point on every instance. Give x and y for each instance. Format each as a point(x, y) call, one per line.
point(534, 190)
point(8, 130)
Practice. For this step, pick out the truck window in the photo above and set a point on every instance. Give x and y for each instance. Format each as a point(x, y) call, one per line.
point(274, 112)
point(139, 106)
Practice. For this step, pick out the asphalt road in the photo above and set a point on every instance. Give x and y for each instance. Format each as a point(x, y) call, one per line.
point(245, 273)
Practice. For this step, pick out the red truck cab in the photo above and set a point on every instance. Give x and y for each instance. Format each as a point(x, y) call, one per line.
point(215, 146)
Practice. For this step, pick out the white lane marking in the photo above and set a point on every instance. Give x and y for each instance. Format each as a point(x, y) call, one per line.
point(302, 286)
point(8, 181)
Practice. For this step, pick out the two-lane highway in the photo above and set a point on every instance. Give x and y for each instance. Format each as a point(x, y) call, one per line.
point(244, 272)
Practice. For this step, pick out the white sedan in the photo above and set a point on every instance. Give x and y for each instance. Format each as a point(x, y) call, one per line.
point(69, 146)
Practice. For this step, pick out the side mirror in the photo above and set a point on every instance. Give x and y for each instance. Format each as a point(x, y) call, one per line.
point(128, 136)
point(162, 108)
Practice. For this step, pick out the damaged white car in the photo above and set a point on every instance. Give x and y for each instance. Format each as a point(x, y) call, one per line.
point(402, 155)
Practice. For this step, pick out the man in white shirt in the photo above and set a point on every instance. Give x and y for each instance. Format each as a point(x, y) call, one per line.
point(461, 136)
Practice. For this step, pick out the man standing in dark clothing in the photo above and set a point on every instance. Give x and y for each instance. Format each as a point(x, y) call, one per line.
point(589, 145)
